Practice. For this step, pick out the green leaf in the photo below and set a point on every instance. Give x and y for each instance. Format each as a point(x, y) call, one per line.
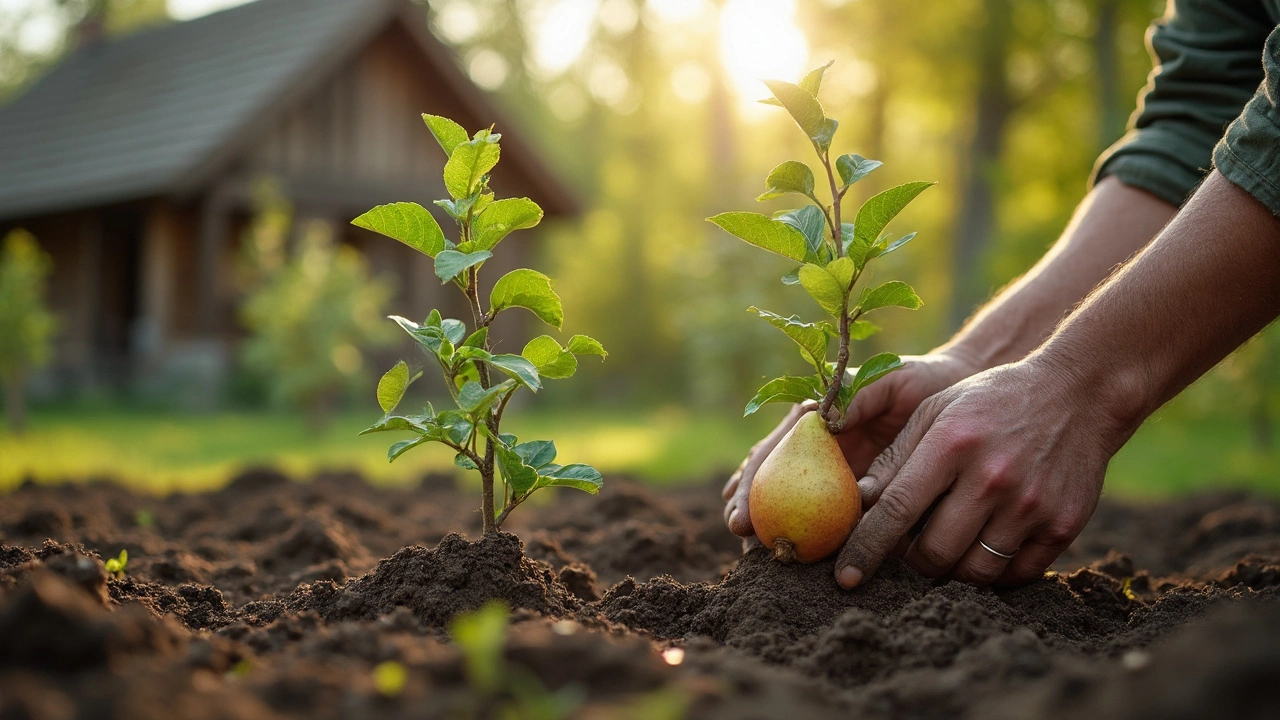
point(451, 263)
point(464, 462)
point(861, 330)
point(812, 338)
point(477, 338)
point(528, 289)
point(404, 446)
point(894, 293)
point(853, 167)
point(418, 424)
point(826, 134)
point(454, 426)
point(501, 218)
point(518, 475)
point(584, 345)
point(519, 368)
point(842, 269)
point(410, 223)
point(551, 360)
point(392, 386)
point(789, 388)
point(576, 475)
point(790, 177)
point(812, 82)
point(764, 232)
point(536, 453)
point(792, 278)
point(811, 223)
point(823, 287)
point(473, 398)
point(803, 107)
point(876, 212)
point(873, 369)
point(446, 132)
point(467, 166)
point(880, 249)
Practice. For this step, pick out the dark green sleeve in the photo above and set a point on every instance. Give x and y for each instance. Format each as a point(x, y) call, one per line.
point(1207, 55)
point(1249, 155)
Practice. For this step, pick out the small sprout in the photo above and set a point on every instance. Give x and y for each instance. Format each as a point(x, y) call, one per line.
point(389, 678)
point(144, 518)
point(240, 670)
point(1126, 587)
point(117, 565)
point(482, 635)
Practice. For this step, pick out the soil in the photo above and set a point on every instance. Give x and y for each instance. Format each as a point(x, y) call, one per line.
point(267, 599)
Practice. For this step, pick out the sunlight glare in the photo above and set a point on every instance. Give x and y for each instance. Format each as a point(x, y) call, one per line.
point(675, 11)
point(759, 40)
point(562, 32)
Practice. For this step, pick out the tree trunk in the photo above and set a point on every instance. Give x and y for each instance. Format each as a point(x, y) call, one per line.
point(1111, 118)
point(15, 406)
point(976, 222)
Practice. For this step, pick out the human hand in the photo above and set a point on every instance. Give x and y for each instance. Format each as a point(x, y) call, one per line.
point(877, 414)
point(1014, 457)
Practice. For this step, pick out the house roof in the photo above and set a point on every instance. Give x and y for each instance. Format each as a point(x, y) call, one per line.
point(153, 113)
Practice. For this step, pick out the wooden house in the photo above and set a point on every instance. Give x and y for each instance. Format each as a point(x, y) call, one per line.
point(133, 163)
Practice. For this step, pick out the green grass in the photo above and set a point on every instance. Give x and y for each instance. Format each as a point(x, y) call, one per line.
point(163, 452)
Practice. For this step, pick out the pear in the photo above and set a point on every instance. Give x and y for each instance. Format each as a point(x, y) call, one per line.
point(804, 499)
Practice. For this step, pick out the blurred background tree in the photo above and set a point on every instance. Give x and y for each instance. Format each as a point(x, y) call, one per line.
point(312, 311)
point(26, 325)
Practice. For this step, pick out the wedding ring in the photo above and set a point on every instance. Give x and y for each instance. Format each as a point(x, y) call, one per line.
point(996, 552)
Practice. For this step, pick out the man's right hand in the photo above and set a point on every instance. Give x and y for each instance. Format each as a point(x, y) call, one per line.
point(875, 418)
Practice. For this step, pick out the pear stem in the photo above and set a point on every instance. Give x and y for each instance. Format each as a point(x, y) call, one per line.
point(784, 551)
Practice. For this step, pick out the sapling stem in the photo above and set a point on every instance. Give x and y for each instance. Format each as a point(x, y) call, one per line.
point(487, 508)
point(842, 354)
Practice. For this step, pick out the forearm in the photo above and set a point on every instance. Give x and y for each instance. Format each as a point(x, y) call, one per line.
point(1112, 223)
point(1207, 284)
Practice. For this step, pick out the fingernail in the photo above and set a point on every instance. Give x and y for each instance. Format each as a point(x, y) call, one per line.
point(733, 516)
point(866, 483)
point(849, 577)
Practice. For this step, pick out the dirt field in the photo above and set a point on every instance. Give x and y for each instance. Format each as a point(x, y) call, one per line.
point(273, 598)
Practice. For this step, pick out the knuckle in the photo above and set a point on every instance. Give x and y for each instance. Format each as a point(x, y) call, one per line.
point(997, 478)
point(962, 439)
point(930, 559)
point(1029, 504)
point(1063, 531)
point(896, 507)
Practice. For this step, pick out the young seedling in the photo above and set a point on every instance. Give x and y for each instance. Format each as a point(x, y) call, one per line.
point(472, 371)
point(807, 516)
point(117, 565)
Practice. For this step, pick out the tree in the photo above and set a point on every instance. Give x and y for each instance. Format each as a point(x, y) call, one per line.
point(26, 324)
point(311, 314)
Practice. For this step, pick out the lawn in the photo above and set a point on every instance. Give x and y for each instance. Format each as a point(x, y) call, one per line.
point(163, 452)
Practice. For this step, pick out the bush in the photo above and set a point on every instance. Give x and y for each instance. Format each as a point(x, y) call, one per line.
point(26, 324)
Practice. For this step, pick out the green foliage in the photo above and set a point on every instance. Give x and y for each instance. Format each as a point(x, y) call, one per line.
point(26, 324)
point(311, 316)
point(118, 564)
point(464, 355)
point(835, 254)
point(389, 678)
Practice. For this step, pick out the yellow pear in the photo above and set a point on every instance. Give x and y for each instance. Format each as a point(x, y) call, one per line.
point(804, 499)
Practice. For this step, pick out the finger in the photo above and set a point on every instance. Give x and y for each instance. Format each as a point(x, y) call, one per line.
point(731, 486)
point(886, 465)
point(926, 474)
point(950, 531)
point(1031, 561)
point(979, 565)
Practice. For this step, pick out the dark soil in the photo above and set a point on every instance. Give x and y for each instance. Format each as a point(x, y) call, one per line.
point(267, 599)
